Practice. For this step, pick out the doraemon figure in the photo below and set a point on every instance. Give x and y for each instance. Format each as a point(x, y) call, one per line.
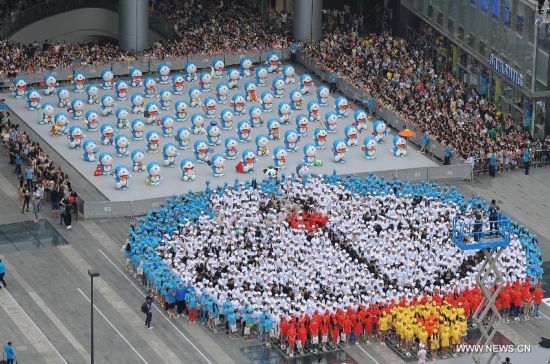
point(137, 100)
point(379, 130)
point(183, 138)
point(90, 151)
point(169, 153)
point(200, 149)
point(152, 138)
point(313, 113)
point(341, 106)
point(284, 110)
point(248, 160)
point(77, 109)
point(153, 174)
point(63, 97)
point(105, 163)
point(310, 152)
point(137, 126)
point(250, 91)
point(291, 140)
point(136, 77)
point(195, 97)
point(221, 93)
point(75, 137)
point(165, 99)
point(262, 149)
point(218, 65)
point(187, 170)
point(149, 87)
point(322, 95)
point(92, 120)
point(360, 117)
point(217, 165)
point(369, 147)
point(61, 122)
point(279, 157)
point(107, 79)
point(255, 114)
point(209, 107)
point(106, 131)
point(267, 101)
point(121, 88)
point(121, 145)
point(320, 138)
point(233, 77)
point(213, 134)
point(107, 103)
point(121, 115)
point(177, 84)
point(399, 146)
point(273, 62)
point(301, 125)
point(47, 113)
point(122, 174)
point(231, 148)
point(237, 103)
point(273, 127)
point(226, 119)
point(246, 67)
point(197, 124)
point(138, 156)
point(152, 111)
point(339, 149)
point(331, 122)
point(167, 125)
point(78, 81)
point(288, 74)
point(205, 81)
point(50, 82)
point(33, 99)
point(261, 76)
point(296, 100)
point(92, 91)
point(243, 131)
point(305, 83)
point(351, 135)
point(278, 87)
point(163, 71)
point(190, 71)
point(181, 110)
point(19, 87)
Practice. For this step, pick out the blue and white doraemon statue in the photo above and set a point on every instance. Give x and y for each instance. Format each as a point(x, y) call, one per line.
point(231, 145)
point(200, 149)
point(248, 160)
point(279, 157)
point(369, 147)
point(137, 101)
point(320, 138)
point(273, 127)
point(138, 156)
point(136, 76)
point(306, 82)
point(122, 174)
point(284, 110)
point(152, 138)
point(163, 70)
point(221, 93)
point(195, 94)
point(243, 131)
point(209, 107)
point(121, 144)
point(63, 97)
point(61, 123)
point(75, 137)
point(313, 109)
point(233, 78)
point(341, 106)
point(177, 84)
point(77, 109)
point(351, 136)
point(339, 149)
point(246, 66)
point(105, 163)
point(331, 122)
point(261, 76)
point(217, 66)
point(107, 77)
point(106, 134)
point(181, 110)
point(187, 170)
point(152, 111)
point(92, 91)
point(33, 99)
point(237, 103)
point(255, 114)
point(250, 91)
point(107, 103)
point(183, 138)
point(213, 134)
point(167, 126)
point(122, 115)
point(78, 81)
point(289, 74)
point(399, 146)
point(205, 81)
point(266, 99)
point(217, 165)
point(360, 117)
point(149, 87)
point(92, 120)
point(296, 100)
point(19, 87)
point(302, 123)
point(137, 127)
point(47, 113)
point(90, 151)
point(226, 119)
point(273, 63)
point(291, 140)
point(278, 87)
point(310, 153)
point(379, 130)
point(190, 71)
point(153, 174)
point(262, 148)
point(165, 99)
point(169, 154)
point(50, 82)
point(197, 124)
point(323, 93)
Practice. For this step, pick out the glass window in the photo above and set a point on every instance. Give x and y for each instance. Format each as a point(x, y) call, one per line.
point(460, 33)
point(484, 5)
point(506, 12)
point(495, 8)
point(430, 10)
point(439, 18)
point(450, 25)
point(520, 16)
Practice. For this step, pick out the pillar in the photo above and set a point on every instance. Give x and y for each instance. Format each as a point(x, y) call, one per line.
point(133, 24)
point(308, 18)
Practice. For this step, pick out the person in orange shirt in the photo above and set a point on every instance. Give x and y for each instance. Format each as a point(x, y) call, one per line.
point(291, 340)
point(335, 335)
point(314, 334)
point(346, 330)
point(283, 329)
point(302, 338)
point(538, 293)
point(324, 329)
point(527, 303)
point(358, 330)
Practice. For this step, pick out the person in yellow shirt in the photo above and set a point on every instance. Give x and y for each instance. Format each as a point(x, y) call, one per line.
point(445, 342)
point(434, 343)
point(409, 336)
point(383, 327)
point(422, 336)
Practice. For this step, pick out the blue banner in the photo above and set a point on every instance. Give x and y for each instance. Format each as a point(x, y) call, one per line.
point(483, 80)
point(527, 112)
point(495, 8)
point(506, 12)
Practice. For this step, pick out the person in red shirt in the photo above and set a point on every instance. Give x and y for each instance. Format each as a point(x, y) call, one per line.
point(346, 329)
point(527, 303)
point(291, 340)
point(314, 334)
point(369, 321)
point(334, 335)
point(516, 301)
point(302, 338)
point(506, 301)
point(358, 330)
point(538, 293)
point(324, 331)
point(283, 328)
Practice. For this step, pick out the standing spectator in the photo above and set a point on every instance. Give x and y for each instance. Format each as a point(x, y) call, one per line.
point(425, 142)
point(9, 353)
point(36, 206)
point(74, 204)
point(181, 291)
point(447, 157)
point(493, 164)
point(18, 162)
point(67, 215)
point(147, 309)
point(26, 200)
point(526, 161)
point(2, 273)
point(421, 354)
point(28, 177)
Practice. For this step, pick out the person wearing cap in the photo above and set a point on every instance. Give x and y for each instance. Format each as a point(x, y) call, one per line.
point(421, 353)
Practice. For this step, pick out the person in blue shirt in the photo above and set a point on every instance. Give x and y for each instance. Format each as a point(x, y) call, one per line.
point(192, 306)
point(181, 292)
point(425, 142)
point(232, 322)
point(18, 163)
point(9, 353)
point(2, 273)
point(447, 157)
point(28, 177)
point(171, 302)
point(526, 161)
point(204, 299)
point(268, 324)
point(493, 165)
